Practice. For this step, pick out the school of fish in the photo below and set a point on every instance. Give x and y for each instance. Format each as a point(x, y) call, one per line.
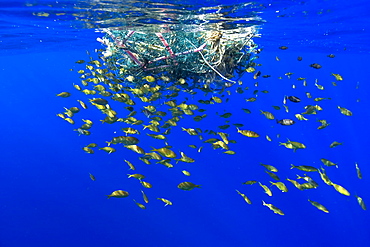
point(155, 107)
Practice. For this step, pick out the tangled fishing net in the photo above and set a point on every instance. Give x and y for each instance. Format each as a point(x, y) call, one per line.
point(191, 59)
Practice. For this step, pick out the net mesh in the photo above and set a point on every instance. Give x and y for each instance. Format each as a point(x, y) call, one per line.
point(192, 59)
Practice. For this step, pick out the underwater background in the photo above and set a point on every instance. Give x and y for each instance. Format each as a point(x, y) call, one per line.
point(48, 199)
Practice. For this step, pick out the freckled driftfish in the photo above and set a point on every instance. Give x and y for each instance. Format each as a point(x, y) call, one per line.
point(285, 122)
point(147, 113)
point(294, 99)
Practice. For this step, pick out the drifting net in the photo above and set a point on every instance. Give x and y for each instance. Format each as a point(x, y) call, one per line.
point(197, 59)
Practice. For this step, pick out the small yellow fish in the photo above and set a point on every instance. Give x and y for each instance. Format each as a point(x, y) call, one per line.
point(248, 133)
point(295, 183)
point(268, 115)
point(319, 206)
point(341, 189)
point(275, 209)
point(64, 94)
point(146, 184)
point(270, 167)
point(108, 149)
point(304, 168)
point(334, 144)
point(167, 202)
point(185, 158)
point(280, 185)
point(273, 175)
point(88, 150)
point(140, 205)
point(246, 199)
point(328, 163)
point(361, 202)
point(187, 186)
point(132, 167)
point(324, 177)
point(338, 77)
point(165, 152)
point(118, 194)
point(186, 173)
point(358, 171)
point(250, 182)
point(137, 176)
point(145, 198)
point(345, 111)
point(266, 189)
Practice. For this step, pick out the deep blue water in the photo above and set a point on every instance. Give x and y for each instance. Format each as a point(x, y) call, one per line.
point(48, 199)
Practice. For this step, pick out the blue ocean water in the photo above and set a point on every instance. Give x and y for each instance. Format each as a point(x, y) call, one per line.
point(48, 199)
